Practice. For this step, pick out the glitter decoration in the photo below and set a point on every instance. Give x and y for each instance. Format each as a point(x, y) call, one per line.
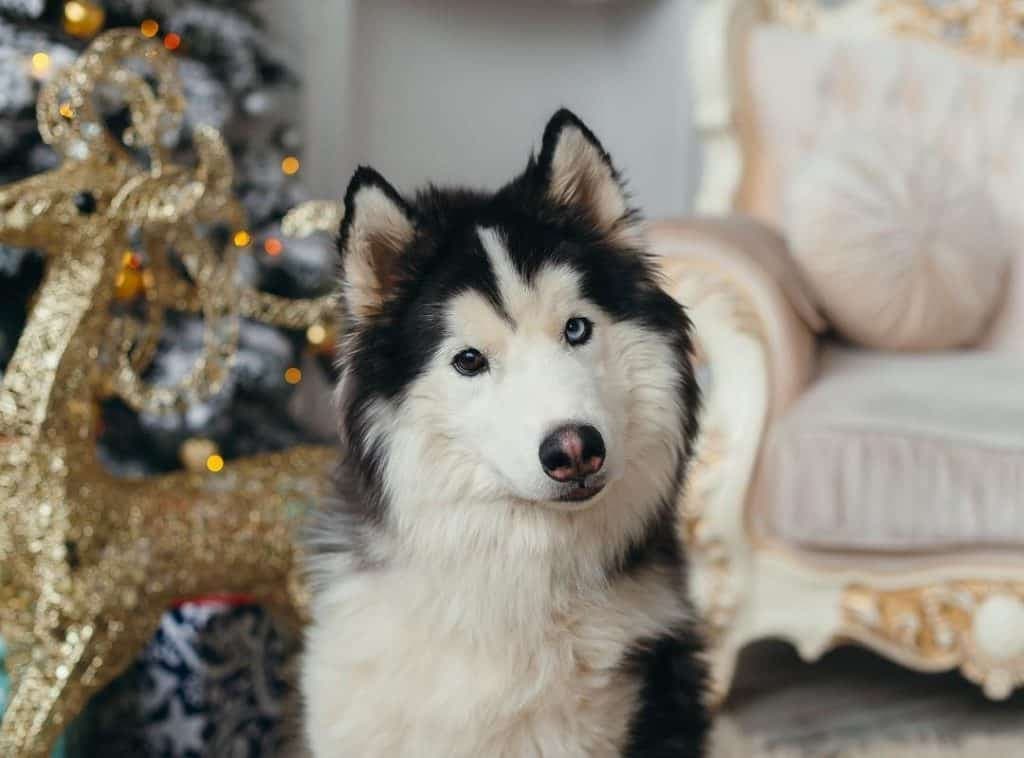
point(89, 561)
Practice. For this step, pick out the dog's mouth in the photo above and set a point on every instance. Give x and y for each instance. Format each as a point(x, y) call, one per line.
point(581, 492)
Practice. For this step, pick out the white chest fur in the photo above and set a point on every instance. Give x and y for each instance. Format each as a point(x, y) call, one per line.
point(426, 663)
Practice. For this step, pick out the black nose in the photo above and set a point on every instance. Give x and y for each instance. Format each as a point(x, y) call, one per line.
point(572, 452)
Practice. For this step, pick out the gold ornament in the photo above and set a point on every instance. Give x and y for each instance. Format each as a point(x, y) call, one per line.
point(131, 281)
point(88, 561)
point(83, 18)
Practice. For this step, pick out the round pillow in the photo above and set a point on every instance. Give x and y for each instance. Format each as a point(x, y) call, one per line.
point(904, 249)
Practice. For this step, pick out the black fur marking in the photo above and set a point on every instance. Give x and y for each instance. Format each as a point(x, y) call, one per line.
point(672, 720)
point(658, 546)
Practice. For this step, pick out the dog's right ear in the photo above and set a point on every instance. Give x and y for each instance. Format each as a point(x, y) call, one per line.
point(377, 227)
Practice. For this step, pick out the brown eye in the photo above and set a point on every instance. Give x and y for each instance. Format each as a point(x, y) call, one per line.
point(578, 330)
point(470, 362)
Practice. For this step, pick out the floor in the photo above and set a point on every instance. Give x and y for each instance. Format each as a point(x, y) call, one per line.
point(852, 697)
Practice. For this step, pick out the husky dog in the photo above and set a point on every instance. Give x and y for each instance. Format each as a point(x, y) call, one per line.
point(500, 572)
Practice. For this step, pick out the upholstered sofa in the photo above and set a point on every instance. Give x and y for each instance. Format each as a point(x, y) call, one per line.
point(845, 493)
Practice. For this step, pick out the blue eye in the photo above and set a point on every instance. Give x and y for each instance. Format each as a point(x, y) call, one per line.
point(578, 330)
point(469, 362)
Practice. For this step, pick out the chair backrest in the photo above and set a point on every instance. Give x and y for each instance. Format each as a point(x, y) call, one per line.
point(772, 77)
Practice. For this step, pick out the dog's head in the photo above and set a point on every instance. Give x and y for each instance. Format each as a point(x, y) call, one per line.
point(511, 348)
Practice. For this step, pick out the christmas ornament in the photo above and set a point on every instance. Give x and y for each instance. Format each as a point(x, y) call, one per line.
point(130, 281)
point(89, 561)
point(83, 18)
point(214, 680)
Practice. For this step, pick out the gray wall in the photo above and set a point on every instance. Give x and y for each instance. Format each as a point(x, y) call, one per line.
point(459, 90)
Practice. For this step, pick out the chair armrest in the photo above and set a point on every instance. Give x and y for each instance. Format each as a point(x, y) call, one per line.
point(752, 262)
point(754, 333)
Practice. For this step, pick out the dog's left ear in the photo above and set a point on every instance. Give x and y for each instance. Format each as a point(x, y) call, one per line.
point(577, 172)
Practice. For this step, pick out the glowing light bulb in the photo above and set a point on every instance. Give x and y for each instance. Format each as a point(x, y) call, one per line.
point(40, 64)
point(290, 165)
point(316, 334)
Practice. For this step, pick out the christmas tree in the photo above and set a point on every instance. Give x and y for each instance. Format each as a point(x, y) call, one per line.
point(212, 680)
point(235, 81)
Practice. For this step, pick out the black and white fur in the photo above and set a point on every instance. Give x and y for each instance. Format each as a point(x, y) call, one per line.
point(462, 606)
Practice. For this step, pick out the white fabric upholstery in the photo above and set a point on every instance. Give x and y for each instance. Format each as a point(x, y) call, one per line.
point(897, 452)
point(802, 87)
point(900, 240)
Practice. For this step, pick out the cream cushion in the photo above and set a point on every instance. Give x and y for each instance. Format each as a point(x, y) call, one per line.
point(894, 452)
point(801, 87)
point(902, 245)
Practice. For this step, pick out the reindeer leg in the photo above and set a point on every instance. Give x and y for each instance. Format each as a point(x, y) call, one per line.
point(42, 703)
point(56, 683)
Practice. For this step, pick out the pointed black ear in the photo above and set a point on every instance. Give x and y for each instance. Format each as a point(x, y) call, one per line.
point(578, 173)
point(377, 228)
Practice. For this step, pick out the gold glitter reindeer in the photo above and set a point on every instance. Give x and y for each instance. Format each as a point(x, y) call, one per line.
point(88, 561)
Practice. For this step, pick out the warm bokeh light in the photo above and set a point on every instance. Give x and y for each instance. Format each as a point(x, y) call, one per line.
point(290, 165)
point(273, 246)
point(149, 28)
point(242, 238)
point(316, 334)
point(293, 375)
point(214, 463)
point(75, 11)
point(40, 64)
point(172, 41)
point(67, 110)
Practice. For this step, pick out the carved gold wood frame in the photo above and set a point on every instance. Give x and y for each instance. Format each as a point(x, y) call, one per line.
point(989, 29)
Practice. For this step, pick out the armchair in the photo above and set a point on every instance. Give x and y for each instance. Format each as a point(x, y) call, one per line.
point(840, 494)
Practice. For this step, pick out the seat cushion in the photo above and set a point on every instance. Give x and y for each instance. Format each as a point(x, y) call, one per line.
point(897, 452)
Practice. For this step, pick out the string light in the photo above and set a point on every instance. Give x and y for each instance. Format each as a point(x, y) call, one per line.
point(172, 41)
point(214, 463)
point(83, 18)
point(290, 165)
point(293, 375)
point(67, 110)
point(316, 334)
point(273, 246)
point(242, 238)
point(40, 64)
point(149, 28)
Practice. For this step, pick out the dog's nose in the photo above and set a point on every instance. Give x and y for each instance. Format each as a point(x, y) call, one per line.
point(572, 452)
